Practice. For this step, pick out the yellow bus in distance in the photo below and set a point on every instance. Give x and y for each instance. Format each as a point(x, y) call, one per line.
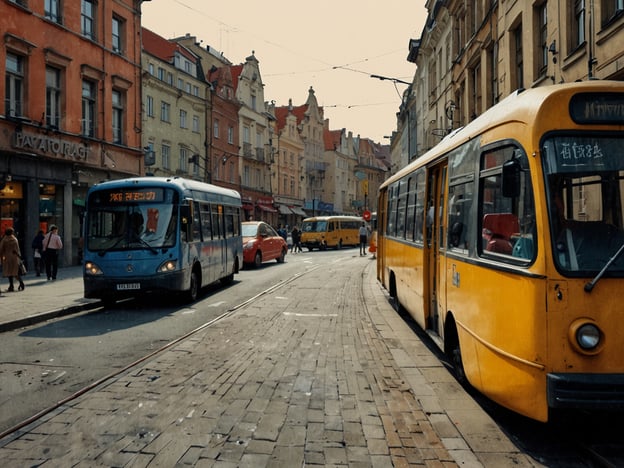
point(322, 232)
point(505, 242)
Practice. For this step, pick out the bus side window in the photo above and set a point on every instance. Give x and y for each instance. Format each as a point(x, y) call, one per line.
point(196, 226)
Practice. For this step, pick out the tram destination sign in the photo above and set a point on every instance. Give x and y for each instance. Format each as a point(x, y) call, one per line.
point(597, 108)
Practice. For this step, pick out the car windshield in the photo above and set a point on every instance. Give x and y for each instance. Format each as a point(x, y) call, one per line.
point(250, 230)
point(585, 187)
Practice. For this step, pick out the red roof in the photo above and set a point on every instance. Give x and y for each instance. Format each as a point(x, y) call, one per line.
point(164, 49)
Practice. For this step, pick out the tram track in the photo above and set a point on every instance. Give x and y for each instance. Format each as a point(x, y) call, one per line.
point(40, 414)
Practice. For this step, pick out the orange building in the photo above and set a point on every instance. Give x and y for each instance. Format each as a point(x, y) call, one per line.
point(70, 110)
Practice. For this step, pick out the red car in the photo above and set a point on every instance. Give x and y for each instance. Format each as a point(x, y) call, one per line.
point(262, 243)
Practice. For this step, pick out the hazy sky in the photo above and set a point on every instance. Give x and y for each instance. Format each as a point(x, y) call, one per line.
point(332, 45)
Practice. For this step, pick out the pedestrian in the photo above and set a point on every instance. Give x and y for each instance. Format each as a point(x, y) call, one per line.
point(363, 238)
point(52, 243)
point(37, 246)
point(296, 240)
point(11, 257)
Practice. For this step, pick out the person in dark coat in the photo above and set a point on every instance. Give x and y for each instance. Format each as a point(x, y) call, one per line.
point(37, 246)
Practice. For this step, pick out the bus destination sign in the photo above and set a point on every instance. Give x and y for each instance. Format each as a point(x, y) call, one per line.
point(597, 108)
point(137, 195)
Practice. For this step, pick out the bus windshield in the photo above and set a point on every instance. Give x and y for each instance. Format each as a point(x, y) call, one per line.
point(134, 226)
point(585, 180)
point(314, 226)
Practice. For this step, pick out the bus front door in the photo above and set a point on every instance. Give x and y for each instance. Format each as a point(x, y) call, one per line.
point(435, 292)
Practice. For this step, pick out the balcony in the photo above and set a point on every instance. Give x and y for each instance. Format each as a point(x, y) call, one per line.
point(247, 150)
point(260, 154)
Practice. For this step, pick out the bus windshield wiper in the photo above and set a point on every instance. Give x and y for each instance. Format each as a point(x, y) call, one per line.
point(146, 244)
point(103, 252)
point(589, 286)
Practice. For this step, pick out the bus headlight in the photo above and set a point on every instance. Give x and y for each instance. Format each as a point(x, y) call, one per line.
point(585, 336)
point(92, 269)
point(165, 267)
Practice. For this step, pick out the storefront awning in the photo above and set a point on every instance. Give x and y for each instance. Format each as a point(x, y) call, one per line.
point(298, 211)
point(283, 209)
point(268, 209)
point(248, 207)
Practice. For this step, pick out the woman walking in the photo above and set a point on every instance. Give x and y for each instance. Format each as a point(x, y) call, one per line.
point(10, 255)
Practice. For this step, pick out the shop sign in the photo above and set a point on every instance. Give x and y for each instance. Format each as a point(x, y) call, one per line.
point(50, 146)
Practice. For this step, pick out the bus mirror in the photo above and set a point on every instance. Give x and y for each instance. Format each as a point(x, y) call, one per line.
point(511, 178)
point(185, 214)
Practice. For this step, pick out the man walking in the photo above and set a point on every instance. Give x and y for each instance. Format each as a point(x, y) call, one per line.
point(363, 238)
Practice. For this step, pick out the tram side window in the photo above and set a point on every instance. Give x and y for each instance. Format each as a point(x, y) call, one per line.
point(419, 205)
point(401, 207)
point(507, 222)
point(392, 203)
point(411, 208)
point(460, 225)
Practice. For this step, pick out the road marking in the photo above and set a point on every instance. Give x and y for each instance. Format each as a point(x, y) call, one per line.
point(296, 314)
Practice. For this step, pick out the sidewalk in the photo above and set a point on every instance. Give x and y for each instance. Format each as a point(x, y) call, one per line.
point(294, 378)
point(42, 299)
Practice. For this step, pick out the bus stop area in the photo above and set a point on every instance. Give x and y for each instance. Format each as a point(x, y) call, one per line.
point(293, 378)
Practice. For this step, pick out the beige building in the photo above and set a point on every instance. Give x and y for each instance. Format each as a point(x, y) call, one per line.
point(472, 54)
point(175, 109)
point(286, 170)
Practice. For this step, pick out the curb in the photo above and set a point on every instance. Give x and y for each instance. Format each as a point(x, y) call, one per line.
point(43, 316)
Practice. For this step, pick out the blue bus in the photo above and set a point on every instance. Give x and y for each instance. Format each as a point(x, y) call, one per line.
point(155, 234)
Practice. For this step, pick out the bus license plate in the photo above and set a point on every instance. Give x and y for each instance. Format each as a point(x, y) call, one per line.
point(127, 286)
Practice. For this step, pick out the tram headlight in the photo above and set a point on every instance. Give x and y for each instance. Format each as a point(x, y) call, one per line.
point(92, 269)
point(588, 336)
point(585, 336)
point(167, 266)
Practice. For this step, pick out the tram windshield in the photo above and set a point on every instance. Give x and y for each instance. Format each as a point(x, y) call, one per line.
point(585, 186)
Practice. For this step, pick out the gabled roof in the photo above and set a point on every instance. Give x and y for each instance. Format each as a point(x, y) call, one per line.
point(282, 112)
point(235, 71)
point(164, 49)
point(332, 138)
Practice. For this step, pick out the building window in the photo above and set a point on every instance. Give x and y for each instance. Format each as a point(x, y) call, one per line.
point(166, 156)
point(161, 74)
point(53, 97)
point(231, 135)
point(150, 69)
point(542, 59)
point(494, 96)
point(149, 106)
point(215, 131)
point(118, 111)
point(611, 9)
point(88, 108)
point(14, 85)
point(52, 10)
point(183, 160)
point(195, 90)
point(519, 64)
point(180, 83)
point(165, 109)
point(196, 123)
point(578, 29)
point(183, 123)
point(118, 35)
point(87, 18)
